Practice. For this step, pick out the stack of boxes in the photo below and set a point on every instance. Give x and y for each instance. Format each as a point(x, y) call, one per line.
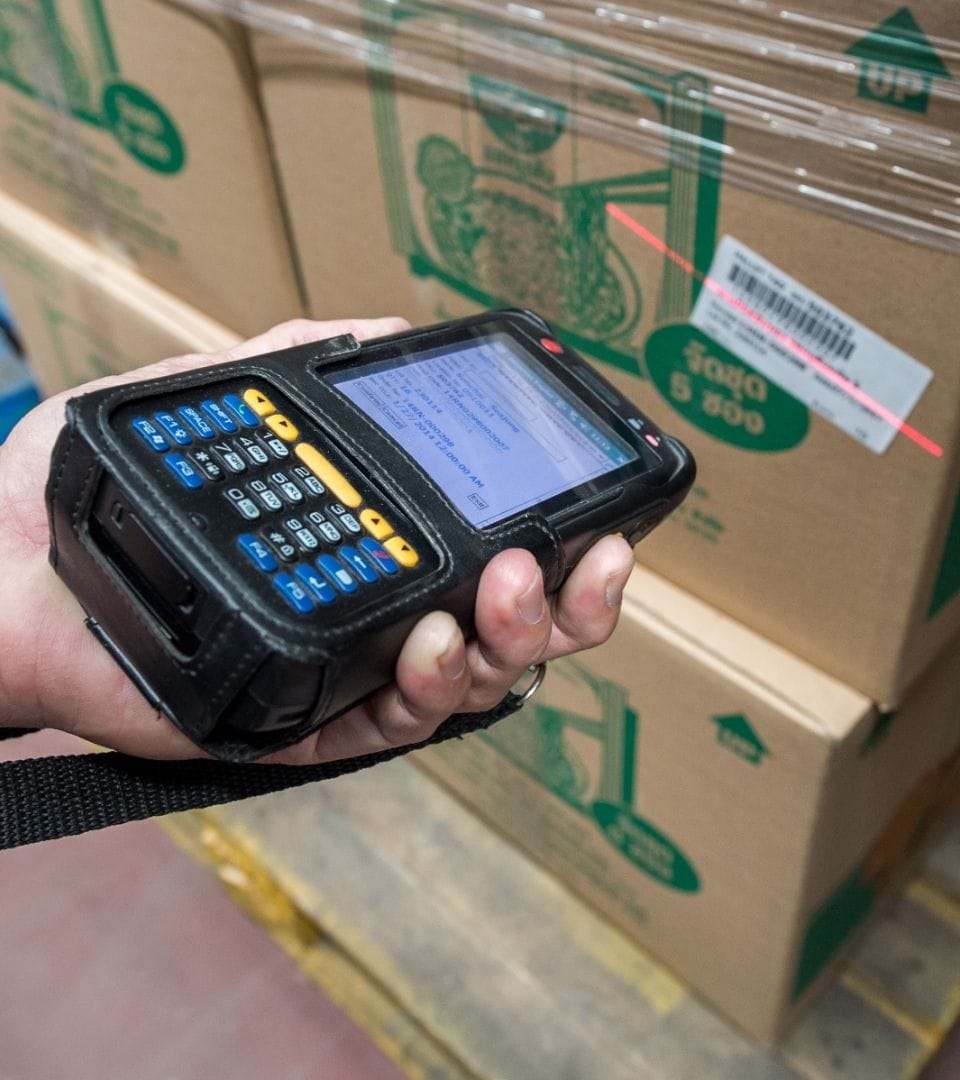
point(747, 218)
point(725, 211)
point(134, 126)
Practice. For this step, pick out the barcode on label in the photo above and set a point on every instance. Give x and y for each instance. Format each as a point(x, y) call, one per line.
point(812, 349)
point(810, 323)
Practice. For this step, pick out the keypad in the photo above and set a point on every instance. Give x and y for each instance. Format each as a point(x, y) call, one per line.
point(302, 525)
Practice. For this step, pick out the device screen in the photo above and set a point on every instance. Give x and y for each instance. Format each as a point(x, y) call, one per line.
point(492, 426)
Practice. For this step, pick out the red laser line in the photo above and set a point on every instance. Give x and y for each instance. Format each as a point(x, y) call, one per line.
point(795, 347)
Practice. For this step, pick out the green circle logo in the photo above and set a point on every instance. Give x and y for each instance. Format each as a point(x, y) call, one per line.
point(143, 128)
point(721, 394)
point(646, 847)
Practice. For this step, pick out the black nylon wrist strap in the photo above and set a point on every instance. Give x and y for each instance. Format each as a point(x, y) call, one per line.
point(46, 798)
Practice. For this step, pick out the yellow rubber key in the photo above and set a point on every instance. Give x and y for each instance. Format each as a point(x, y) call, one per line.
point(401, 551)
point(259, 402)
point(282, 426)
point(328, 474)
point(375, 524)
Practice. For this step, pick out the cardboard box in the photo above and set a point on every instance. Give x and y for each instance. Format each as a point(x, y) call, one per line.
point(731, 808)
point(136, 123)
point(81, 315)
point(839, 538)
point(18, 390)
point(875, 58)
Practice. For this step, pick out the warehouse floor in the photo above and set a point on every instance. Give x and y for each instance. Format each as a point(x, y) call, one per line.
point(124, 960)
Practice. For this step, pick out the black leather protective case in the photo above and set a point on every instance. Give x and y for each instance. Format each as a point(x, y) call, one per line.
point(239, 674)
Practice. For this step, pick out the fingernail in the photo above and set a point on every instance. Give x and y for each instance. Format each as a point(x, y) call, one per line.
point(453, 660)
point(531, 603)
point(616, 583)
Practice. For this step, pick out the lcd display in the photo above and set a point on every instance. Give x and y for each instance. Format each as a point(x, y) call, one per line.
point(493, 428)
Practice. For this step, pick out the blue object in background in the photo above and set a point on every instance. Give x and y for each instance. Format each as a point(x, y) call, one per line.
point(18, 393)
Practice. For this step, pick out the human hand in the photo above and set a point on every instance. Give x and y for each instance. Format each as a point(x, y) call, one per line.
point(54, 673)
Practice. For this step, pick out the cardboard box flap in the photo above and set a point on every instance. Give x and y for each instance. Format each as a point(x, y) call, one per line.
point(113, 278)
point(814, 699)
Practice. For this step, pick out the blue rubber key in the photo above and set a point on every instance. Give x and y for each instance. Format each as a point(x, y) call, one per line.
point(294, 593)
point(150, 434)
point(316, 583)
point(184, 471)
point(359, 564)
point(219, 415)
point(337, 574)
point(241, 410)
point(197, 422)
point(379, 556)
point(172, 426)
point(257, 552)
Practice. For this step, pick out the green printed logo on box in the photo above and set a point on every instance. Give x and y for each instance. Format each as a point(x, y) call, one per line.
point(738, 735)
point(722, 394)
point(853, 899)
point(496, 190)
point(898, 64)
point(542, 747)
point(947, 583)
point(72, 67)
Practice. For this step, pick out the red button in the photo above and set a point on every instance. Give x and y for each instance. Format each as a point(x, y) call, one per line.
point(550, 345)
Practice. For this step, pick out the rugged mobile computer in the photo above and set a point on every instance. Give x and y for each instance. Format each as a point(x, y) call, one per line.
point(253, 541)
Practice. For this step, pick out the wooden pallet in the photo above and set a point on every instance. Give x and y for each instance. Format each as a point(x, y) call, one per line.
point(463, 959)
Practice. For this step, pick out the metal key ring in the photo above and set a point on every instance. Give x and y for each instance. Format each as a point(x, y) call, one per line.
point(538, 671)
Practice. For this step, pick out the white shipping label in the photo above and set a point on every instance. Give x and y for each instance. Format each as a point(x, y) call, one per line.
point(835, 365)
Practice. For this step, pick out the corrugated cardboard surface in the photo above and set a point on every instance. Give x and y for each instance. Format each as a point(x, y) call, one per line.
point(877, 58)
point(735, 810)
point(440, 207)
point(82, 315)
point(136, 123)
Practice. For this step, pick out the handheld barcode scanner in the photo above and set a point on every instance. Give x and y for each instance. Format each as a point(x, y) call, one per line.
point(253, 541)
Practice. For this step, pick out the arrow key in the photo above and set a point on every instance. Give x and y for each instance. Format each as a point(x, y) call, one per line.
point(282, 426)
point(259, 402)
point(402, 551)
point(375, 524)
